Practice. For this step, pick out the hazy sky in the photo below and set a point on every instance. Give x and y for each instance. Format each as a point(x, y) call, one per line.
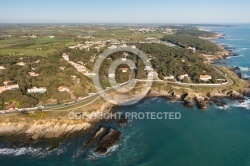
point(125, 11)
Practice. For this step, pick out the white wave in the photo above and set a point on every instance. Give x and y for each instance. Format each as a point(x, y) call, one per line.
point(245, 76)
point(237, 56)
point(232, 39)
point(243, 49)
point(244, 68)
point(94, 156)
point(113, 148)
point(225, 107)
point(245, 104)
point(19, 151)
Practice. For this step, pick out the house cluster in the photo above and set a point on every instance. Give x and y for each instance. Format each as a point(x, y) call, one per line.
point(98, 44)
point(36, 90)
point(90, 44)
point(30, 36)
point(79, 67)
point(144, 30)
point(7, 86)
point(123, 45)
point(168, 31)
point(156, 41)
point(181, 77)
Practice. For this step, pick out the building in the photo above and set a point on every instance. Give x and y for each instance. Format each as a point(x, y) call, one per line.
point(152, 75)
point(73, 77)
point(61, 67)
point(124, 70)
point(12, 87)
point(124, 45)
point(112, 47)
point(63, 89)
point(193, 49)
point(65, 56)
point(6, 82)
point(2, 68)
point(148, 68)
point(8, 87)
point(181, 77)
point(111, 75)
point(170, 77)
point(33, 74)
point(205, 77)
point(20, 63)
point(37, 90)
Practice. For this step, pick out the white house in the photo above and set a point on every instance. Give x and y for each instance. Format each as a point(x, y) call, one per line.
point(2, 67)
point(133, 46)
point(63, 89)
point(181, 77)
point(148, 68)
point(112, 47)
point(152, 75)
point(37, 90)
point(12, 87)
point(65, 56)
point(170, 77)
point(6, 82)
point(205, 77)
point(33, 74)
point(124, 70)
point(20, 63)
point(112, 75)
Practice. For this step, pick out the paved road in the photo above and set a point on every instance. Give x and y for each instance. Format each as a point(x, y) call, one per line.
point(228, 83)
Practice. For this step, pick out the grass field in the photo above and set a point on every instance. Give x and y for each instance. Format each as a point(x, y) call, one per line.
point(39, 46)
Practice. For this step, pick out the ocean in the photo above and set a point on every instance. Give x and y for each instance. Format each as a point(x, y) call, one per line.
point(217, 136)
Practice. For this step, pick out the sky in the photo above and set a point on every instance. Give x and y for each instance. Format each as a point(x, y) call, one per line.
point(124, 11)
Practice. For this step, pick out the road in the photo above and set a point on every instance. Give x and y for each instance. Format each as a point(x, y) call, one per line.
point(228, 83)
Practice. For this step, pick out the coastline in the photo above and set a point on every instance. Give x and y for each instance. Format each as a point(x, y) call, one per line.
point(55, 132)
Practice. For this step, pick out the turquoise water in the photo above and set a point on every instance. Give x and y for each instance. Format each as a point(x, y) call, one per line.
point(214, 137)
point(237, 39)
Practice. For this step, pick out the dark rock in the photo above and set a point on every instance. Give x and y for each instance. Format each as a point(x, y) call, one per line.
point(108, 141)
point(220, 103)
point(201, 104)
point(188, 103)
point(235, 95)
point(97, 134)
point(246, 92)
point(123, 120)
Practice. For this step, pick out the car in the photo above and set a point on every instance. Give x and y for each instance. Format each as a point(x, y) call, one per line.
point(40, 106)
point(12, 109)
point(2, 112)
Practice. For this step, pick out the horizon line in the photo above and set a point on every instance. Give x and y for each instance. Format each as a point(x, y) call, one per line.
point(107, 23)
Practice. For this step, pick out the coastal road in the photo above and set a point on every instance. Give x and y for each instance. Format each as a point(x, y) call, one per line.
point(228, 83)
